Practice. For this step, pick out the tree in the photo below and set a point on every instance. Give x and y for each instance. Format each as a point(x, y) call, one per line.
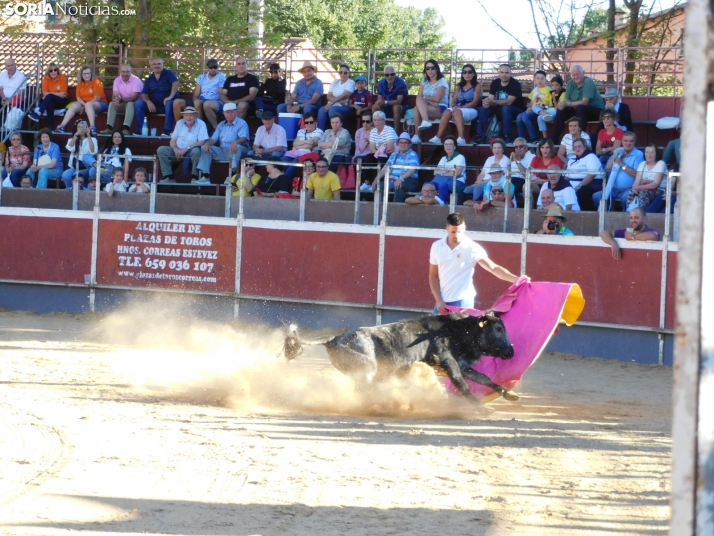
point(360, 24)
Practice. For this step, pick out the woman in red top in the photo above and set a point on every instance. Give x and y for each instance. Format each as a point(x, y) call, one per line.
point(54, 95)
point(609, 138)
point(545, 157)
point(17, 159)
point(90, 99)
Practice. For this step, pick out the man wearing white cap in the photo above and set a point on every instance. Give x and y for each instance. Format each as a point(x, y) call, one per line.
point(186, 139)
point(307, 93)
point(401, 180)
point(229, 142)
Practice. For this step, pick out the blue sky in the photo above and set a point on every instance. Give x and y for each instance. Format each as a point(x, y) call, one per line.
point(467, 22)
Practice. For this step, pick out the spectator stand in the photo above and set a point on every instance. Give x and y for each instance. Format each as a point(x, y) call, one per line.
point(21, 103)
point(409, 65)
point(650, 99)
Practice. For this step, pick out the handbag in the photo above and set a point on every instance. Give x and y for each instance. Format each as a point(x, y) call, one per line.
point(493, 130)
point(346, 173)
point(329, 153)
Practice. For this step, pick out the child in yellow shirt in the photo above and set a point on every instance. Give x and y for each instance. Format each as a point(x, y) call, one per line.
point(541, 106)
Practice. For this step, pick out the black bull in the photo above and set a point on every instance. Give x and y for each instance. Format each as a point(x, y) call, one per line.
point(451, 344)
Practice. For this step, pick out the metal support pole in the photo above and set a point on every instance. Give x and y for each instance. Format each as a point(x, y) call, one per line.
point(99, 181)
point(303, 195)
point(358, 183)
point(75, 193)
point(382, 245)
point(508, 194)
point(663, 272)
point(526, 221)
point(603, 206)
point(239, 240)
point(229, 196)
point(375, 215)
point(452, 197)
point(154, 188)
point(386, 194)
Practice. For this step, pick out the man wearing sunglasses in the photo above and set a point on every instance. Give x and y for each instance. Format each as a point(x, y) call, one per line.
point(391, 91)
point(125, 91)
point(206, 95)
point(521, 159)
point(271, 92)
point(401, 180)
point(428, 196)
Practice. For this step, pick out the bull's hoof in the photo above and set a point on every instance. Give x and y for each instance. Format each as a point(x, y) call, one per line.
point(510, 395)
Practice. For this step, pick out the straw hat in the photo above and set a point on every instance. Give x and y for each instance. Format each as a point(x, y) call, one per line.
point(556, 211)
point(306, 65)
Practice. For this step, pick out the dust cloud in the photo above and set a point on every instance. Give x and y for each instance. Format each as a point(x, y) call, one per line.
point(176, 358)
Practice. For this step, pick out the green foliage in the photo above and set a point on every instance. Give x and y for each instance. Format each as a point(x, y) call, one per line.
point(360, 24)
point(595, 20)
point(168, 23)
point(333, 26)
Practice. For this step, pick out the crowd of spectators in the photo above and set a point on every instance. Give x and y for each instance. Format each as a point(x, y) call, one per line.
point(341, 125)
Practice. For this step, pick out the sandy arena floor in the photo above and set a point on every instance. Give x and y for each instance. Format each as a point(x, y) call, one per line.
point(111, 425)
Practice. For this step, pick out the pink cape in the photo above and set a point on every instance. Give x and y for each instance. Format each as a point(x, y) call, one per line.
point(531, 313)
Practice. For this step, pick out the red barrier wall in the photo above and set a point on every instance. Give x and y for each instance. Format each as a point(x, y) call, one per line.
point(324, 263)
point(310, 265)
point(56, 250)
point(624, 291)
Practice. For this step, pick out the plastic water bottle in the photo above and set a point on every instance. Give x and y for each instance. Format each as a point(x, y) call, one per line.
point(145, 128)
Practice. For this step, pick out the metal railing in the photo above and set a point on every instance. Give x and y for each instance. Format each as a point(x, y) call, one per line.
point(20, 103)
point(647, 71)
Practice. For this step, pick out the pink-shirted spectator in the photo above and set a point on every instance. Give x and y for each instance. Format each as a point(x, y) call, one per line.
point(126, 89)
point(270, 139)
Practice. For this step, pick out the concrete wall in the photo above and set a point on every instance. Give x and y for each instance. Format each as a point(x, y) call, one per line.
point(399, 215)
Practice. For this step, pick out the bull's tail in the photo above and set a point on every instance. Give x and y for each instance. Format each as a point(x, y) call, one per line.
point(293, 345)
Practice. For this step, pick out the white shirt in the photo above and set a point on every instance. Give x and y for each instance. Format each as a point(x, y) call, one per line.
point(337, 88)
point(121, 187)
point(11, 85)
point(110, 158)
point(457, 161)
point(526, 163)
point(568, 142)
point(649, 176)
point(456, 267)
point(491, 160)
point(578, 170)
point(564, 197)
point(83, 149)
